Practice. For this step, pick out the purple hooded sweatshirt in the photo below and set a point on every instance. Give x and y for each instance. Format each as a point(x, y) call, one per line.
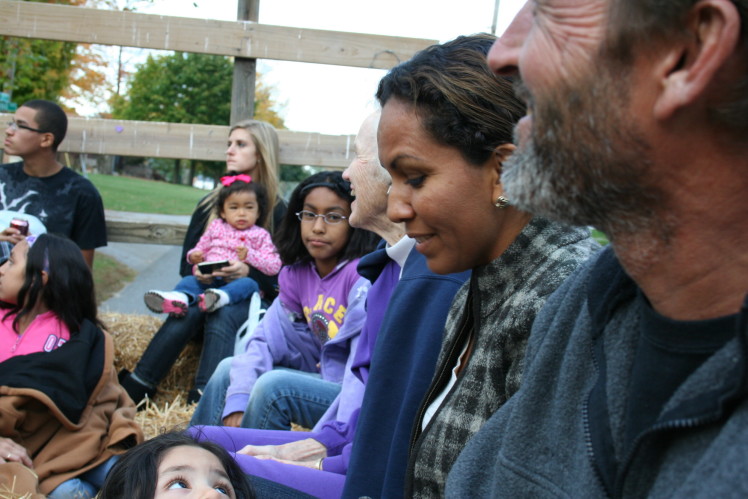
point(314, 321)
point(336, 428)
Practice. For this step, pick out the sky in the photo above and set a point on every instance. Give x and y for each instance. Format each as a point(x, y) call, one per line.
point(334, 99)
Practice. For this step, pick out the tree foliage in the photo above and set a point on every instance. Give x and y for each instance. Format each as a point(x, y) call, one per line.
point(36, 69)
point(179, 88)
point(188, 88)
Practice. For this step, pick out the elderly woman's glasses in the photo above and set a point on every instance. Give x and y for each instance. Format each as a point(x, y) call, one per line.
point(16, 126)
point(329, 218)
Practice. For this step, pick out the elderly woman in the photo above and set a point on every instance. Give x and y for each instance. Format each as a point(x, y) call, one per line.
point(446, 128)
point(316, 462)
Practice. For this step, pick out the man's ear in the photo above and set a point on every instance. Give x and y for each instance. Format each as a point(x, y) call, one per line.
point(691, 62)
point(47, 140)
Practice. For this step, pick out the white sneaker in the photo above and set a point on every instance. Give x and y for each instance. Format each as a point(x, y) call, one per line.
point(212, 300)
point(173, 303)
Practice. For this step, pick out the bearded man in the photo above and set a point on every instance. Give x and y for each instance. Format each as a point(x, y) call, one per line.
point(636, 370)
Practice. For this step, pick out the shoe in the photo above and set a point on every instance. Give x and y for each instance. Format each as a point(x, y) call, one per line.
point(193, 397)
point(135, 389)
point(169, 302)
point(210, 301)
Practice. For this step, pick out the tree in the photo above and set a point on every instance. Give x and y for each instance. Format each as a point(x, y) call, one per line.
point(187, 88)
point(34, 69)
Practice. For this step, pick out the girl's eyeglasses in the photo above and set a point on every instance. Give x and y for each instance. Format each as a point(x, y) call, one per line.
point(15, 126)
point(329, 218)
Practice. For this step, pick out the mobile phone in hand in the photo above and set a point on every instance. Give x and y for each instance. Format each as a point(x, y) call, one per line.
point(208, 268)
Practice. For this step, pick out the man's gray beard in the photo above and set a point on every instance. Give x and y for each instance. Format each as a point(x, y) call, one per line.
point(584, 164)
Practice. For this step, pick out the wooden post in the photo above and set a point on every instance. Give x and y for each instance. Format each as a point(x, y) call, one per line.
point(245, 70)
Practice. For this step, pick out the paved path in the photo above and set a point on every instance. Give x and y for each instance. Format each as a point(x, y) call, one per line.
point(157, 266)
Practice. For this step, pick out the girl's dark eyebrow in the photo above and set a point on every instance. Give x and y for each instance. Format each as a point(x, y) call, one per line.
point(329, 208)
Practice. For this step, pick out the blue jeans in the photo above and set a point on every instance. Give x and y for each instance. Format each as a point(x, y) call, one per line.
point(217, 329)
point(86, 485)
point(238, 289)
point(279, 397)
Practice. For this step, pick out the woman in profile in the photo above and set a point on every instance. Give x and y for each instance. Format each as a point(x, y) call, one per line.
point(252, 150)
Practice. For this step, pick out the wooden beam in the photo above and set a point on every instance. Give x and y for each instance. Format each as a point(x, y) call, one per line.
point(201, 142)
point(149, 228)
point(231, 38)
point(245, 70)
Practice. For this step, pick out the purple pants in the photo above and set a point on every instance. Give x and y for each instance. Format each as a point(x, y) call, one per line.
point(322, 484)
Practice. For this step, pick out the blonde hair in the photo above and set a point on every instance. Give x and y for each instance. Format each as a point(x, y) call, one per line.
point(265, 173)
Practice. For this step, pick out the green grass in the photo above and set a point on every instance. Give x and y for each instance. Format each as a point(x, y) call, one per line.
point(146, 196)
point(109, 276)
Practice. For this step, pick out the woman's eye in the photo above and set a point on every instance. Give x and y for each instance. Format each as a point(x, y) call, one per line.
point(177, 484)
point(222, 489)
point(415, 181)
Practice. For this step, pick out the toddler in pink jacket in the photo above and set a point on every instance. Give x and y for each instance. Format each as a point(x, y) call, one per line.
point(236, 234)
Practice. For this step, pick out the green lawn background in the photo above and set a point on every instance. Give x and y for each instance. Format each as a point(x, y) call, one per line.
point(146, 196)
point(138, 195)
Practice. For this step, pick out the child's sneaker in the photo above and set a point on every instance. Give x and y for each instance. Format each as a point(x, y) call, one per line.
point(173, 303)
point(212, 300)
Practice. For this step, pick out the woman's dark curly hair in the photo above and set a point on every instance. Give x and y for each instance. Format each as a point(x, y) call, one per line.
point(240, 186)
point(460, 101)
point(69, 291)
point(136, 473)
point(288, 236)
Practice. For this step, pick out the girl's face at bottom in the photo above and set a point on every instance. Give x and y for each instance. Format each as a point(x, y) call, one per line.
point(325, 241)
point(189, 471)
point(13, 273)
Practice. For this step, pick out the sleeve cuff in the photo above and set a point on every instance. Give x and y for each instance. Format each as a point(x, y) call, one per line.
point(235, 403)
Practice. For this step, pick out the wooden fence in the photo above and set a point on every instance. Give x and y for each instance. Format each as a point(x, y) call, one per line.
point(242, 39)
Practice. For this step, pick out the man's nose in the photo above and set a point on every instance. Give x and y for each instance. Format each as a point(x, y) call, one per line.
point(503, 58)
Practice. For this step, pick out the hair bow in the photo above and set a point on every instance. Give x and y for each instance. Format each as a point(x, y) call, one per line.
point(230, 179)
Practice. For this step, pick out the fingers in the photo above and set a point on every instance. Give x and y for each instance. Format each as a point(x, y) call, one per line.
point(257, 450)
point(12, 452)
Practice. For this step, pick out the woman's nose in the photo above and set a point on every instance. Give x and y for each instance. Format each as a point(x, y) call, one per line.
point(398, 207)
point(503, 58)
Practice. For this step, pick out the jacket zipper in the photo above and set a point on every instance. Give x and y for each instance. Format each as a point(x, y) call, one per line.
point(742, 331)
point(438, 381)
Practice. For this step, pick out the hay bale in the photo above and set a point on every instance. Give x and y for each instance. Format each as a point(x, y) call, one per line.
point(168, 409)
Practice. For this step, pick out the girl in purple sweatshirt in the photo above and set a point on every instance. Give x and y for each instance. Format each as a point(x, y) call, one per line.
point(314, 324)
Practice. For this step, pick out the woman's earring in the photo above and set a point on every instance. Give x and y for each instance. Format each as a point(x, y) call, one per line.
point(389, 189)
point(501, 202)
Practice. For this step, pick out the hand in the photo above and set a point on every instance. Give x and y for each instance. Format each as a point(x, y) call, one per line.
point(202, 278)
point(314, 464)
point(234, 270)
point(196, 257)
point(11, 235)
point(301, 450)
point(12, 452)
point(234, 419)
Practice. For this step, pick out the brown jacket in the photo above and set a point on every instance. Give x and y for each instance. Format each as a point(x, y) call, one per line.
point(67, 408)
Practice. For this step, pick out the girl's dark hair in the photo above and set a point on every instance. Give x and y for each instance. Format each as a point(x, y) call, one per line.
point(460, 101)
point(288, 236)
point(241, 186)
point(136, 473)
point(69, 291)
